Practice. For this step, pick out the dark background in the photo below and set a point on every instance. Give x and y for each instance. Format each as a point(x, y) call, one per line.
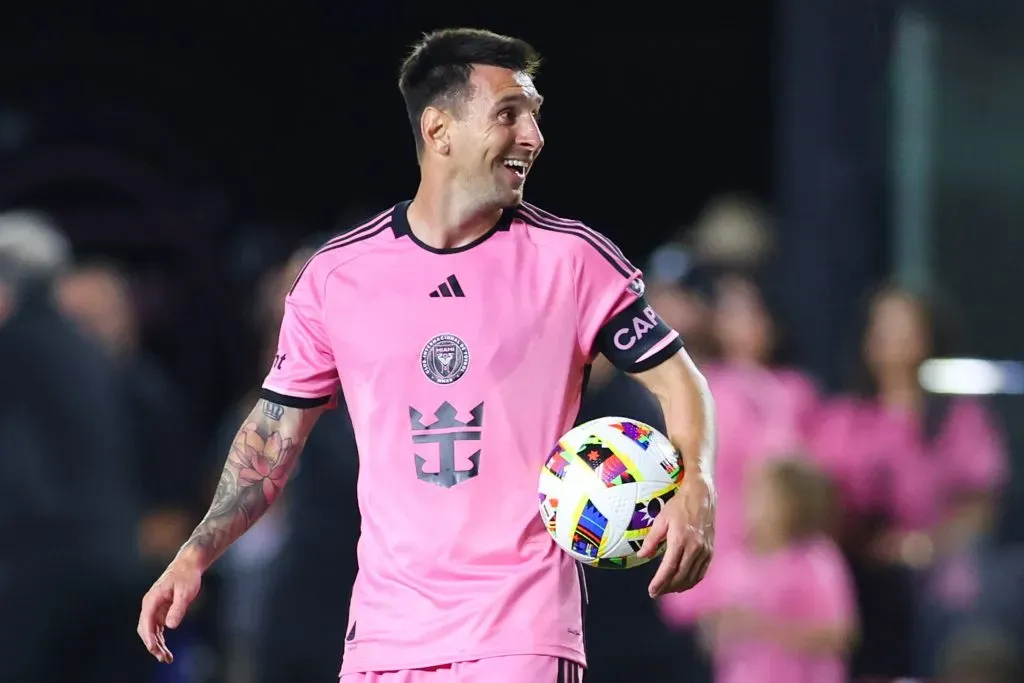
point(205, 130)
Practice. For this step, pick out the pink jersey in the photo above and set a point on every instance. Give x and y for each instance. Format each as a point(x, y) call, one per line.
point(461, 369)
point(806, 585)
point(883, 464)
point(761, 414)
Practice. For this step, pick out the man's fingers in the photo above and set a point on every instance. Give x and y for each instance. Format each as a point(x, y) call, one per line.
point(702, 559)
point(691, 557)
point(654, 538)
point(165, 656)
point(149, 622)
point(179, 604)
point(670, 564)
point(155, 609)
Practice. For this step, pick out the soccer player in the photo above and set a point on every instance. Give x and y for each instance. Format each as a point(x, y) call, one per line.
point(461, 325)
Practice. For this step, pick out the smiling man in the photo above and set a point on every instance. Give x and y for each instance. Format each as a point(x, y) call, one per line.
point(461, 326)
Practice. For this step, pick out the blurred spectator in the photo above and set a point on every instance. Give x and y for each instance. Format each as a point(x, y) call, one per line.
point(733, 231)
point(97, 297)
point(763, 410)
point(764, 407)
point(787, 612)
point(679, 290)
point(920, 477)
point(70, 565)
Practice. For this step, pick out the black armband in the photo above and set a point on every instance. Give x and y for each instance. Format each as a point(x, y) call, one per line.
point(637, 339)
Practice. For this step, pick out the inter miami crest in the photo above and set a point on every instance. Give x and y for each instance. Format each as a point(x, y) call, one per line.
point(444, 359)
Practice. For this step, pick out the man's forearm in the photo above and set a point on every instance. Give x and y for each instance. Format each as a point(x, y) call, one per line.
point(262, 456)
point(689, 411)
point(703, 458)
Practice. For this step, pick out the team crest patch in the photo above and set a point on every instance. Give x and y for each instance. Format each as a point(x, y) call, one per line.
point(445, 359)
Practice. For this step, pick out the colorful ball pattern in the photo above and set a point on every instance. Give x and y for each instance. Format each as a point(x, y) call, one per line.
point(603, 485)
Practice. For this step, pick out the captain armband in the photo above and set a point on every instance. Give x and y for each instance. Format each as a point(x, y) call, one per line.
point(637, 339)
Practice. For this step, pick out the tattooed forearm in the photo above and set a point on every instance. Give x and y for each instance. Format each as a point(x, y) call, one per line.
point(262, 457)
point(273, 410)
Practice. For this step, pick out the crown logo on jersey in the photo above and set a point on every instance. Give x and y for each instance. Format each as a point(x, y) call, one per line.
point(446, 418)
point(448, 288)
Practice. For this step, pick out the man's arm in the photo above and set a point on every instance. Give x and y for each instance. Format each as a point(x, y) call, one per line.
point(689, 410)
point(262, 457)
point(686, 525)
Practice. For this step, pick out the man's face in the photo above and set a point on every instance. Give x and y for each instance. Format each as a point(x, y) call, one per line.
point(496, 138)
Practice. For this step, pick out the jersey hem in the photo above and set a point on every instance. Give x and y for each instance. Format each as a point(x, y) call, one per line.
point(373, 665)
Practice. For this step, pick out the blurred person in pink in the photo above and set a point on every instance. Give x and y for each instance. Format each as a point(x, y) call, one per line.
point(919, 477)
point(765, 410)
point(787, 612)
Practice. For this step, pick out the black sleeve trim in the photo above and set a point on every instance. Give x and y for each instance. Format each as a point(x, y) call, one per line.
point(293, 401)
point(628, 338)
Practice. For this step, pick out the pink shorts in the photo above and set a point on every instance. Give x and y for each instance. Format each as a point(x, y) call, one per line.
point(511, 669)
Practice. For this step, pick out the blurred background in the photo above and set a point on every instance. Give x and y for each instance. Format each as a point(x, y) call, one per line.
point(827, 198)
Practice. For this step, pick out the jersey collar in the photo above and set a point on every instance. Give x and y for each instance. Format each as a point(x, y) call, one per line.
point(400, 227)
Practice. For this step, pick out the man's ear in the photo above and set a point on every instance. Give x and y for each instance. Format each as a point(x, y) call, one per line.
point(435, 129)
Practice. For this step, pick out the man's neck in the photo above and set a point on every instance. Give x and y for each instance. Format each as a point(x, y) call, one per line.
point(442, 219)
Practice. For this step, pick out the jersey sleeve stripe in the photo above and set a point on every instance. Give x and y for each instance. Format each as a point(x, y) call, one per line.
point(557, 220)
point(358, 229)
point(615, 262)
point(541, 213)
point(365, 231)
point(602, 244)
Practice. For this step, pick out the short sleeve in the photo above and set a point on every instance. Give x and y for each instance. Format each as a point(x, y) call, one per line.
point(975, 448)
point(303, 373)
point(614, 317)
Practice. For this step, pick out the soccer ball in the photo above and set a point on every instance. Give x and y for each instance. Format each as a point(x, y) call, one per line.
point(603, 485)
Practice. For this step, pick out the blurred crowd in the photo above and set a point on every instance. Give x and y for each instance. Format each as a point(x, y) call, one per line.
point(856, 533)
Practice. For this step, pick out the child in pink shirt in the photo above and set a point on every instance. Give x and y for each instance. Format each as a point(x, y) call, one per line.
point(786, 611)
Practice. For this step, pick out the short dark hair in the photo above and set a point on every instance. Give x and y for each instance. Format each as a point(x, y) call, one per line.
point(438, 67)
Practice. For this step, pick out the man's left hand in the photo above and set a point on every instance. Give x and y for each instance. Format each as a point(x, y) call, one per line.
point(686, 525)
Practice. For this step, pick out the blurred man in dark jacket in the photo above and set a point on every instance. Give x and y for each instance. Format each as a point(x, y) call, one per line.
point(69, 564)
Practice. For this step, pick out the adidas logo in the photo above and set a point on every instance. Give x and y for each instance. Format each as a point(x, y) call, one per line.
point(449, 288)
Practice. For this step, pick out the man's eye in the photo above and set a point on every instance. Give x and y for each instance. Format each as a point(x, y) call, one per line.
point(507, 116)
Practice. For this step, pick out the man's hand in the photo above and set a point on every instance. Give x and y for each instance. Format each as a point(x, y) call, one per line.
point(165, 604)
point(687, 527)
